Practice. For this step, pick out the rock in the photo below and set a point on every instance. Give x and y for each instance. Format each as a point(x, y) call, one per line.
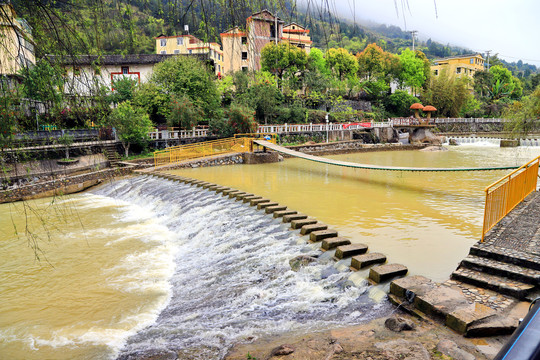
point(434, 148)
point(280, 158)
point(398, 324)
point(423, 135)
point(282, 350)
point(403, 349)
point(450, 348)
point(453, 142)
point(300, 261)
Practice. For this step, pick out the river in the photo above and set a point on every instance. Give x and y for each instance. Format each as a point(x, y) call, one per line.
point(144, 265)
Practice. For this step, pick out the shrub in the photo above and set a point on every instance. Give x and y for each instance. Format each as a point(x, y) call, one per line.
point(241, 119)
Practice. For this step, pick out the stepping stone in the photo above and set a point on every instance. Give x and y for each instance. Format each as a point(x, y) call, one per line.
point(308, 229)
point(273, 209)
point(361, 261)
point(264, 205)
point(283, 213)
point(242, 195)
point(291, 217)
point(382, 273)
point(234, 193)
point(461, 319)
point(331, 243)
point(350, 250)
point(213, 187)
point(297, 224)
point(259, 200)
point(221, 189)
point(228, 191)
point(251, 197)
point(322, 234)
point(417, 285)
point(202, 183)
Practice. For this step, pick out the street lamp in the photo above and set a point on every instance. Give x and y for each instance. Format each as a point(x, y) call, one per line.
point(326, 117)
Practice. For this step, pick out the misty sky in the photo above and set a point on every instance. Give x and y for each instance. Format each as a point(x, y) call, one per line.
point(510, 28)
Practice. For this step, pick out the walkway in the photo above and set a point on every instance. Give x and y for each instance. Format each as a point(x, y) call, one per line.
point(283, 150)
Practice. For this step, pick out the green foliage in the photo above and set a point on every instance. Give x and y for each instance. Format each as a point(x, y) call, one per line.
point(472, 108)
point(399, 103)
point(283, 59)
point(263, 96)
point(67, 141)
point(124, 89)
point(220, 127)
point(241, 119)
point(132, 125)
point(316, 61)
point(153, 100)
point(182, 75)
point(43, 82)
point(524, 114)
point(341, 62)
point(184, 113)
point(447, 94)
point(8, 115)
point(412, 70)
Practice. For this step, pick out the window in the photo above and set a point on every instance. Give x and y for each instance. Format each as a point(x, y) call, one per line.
point(272, 30)
point(163, 52)
point(244, 55)
point(244, 69)
point(294, 27)
point(219, 68)
point(177, 51)
point(458, 70)
point(190, 51)
point(163, 42)
point(244, 40)
point(436, 72)
point(125, 70)
point(219, 56)
point(472, 61)
point(180, 41)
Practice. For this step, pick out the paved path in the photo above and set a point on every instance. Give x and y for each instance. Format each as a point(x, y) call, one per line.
point(283, 150)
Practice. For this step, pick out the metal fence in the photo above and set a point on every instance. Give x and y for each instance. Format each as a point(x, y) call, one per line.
point(208, 148)
point(505, 194)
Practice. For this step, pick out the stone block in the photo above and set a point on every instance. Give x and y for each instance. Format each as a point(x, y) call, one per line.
point(255, 202)
point(221, 189)
point(460, 319)
point(440, 301)
point(322, 234)
point(308, 229)
point(382, 273)
point(235, 193)
point(212, 186)
point(350, 250)
point(264, 205)
point(289, 218)
point(297, 224)
point(283, 213)
point(416, 284)
point(361, 261)
point(509, 143)
point(228, 191)
point(242, 195)
point(247, 199)
point(272, 209)
point(331, 243)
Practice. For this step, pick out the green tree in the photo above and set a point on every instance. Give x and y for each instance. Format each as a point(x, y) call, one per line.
point(412, 70)
point(182, 75)
point(43, 82)
point(123, 90)
point(184, 113)
point(524, 114)
point(241, 119)
point(447, 93)
point(341, 62)
point(263, 96)
point(283, 59)
point(153, 100)
point(132, 125)
point(399, 103)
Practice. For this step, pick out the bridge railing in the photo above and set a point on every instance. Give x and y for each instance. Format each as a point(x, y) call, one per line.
point(176, 154)
point(505, 194)
point(177, 134)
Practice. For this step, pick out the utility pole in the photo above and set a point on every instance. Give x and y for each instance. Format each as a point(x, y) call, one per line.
point(488, 52)
point(413, 32)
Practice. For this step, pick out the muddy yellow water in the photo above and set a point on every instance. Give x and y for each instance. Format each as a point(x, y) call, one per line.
point(426, 221)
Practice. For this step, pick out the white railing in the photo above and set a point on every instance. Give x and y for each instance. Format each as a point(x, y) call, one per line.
point(468, 120)
point(177, 134)
point(278, 129)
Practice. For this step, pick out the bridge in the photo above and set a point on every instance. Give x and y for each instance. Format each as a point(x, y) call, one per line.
point(283, 150)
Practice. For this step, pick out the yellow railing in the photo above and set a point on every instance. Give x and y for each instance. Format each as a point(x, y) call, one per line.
point(505, 194)
point(176, 154)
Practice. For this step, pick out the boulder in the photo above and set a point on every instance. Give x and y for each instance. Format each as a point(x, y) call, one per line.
point(451, 349)
point(300, 261)
point(398, 324)
point(453, 142)
point(403, 349)
point(282, 350)
point(424, 136)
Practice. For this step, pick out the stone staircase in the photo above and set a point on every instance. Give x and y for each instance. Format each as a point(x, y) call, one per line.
point(111, 154)
point(505, 271)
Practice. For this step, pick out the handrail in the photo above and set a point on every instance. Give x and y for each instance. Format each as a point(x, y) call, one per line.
point(505, 194)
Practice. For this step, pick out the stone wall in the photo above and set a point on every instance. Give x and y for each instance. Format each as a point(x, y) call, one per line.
point(61, 186)
point(345, 147)
point(228, 159)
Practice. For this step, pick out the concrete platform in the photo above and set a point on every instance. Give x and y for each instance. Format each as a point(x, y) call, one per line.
point(361, 261)
point(264, 205)
point(331, 243)
point(308, 229)
point(345, 251)
point(297, 216)
point(284, 212)
point(386, 272)
point(273, 209)
point(322, 234)
point(297, 224)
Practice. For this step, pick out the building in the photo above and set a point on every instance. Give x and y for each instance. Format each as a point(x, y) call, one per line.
point(459, 66)
point(189, 44)
point(242, 49)
point(86, 74)
point(16, 43)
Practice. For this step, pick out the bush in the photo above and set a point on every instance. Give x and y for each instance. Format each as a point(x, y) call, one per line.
point(399, 103)
point(183, 112)
point(241, 119)
point(220, 128)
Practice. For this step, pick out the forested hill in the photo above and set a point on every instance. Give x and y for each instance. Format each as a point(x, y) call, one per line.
point(130, 26)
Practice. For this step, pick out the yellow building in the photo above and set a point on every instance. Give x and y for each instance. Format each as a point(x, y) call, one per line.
point(297, 35)
point(189, 44)
point(16, 44)
point(459, 66)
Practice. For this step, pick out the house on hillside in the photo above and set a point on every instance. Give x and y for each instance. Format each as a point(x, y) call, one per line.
point(459, 66)
point(86, 74)
point(16, 43)
point(242, 49)
point(190, 45)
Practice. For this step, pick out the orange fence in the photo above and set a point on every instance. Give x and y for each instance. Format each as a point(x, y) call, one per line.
point(505, 194)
